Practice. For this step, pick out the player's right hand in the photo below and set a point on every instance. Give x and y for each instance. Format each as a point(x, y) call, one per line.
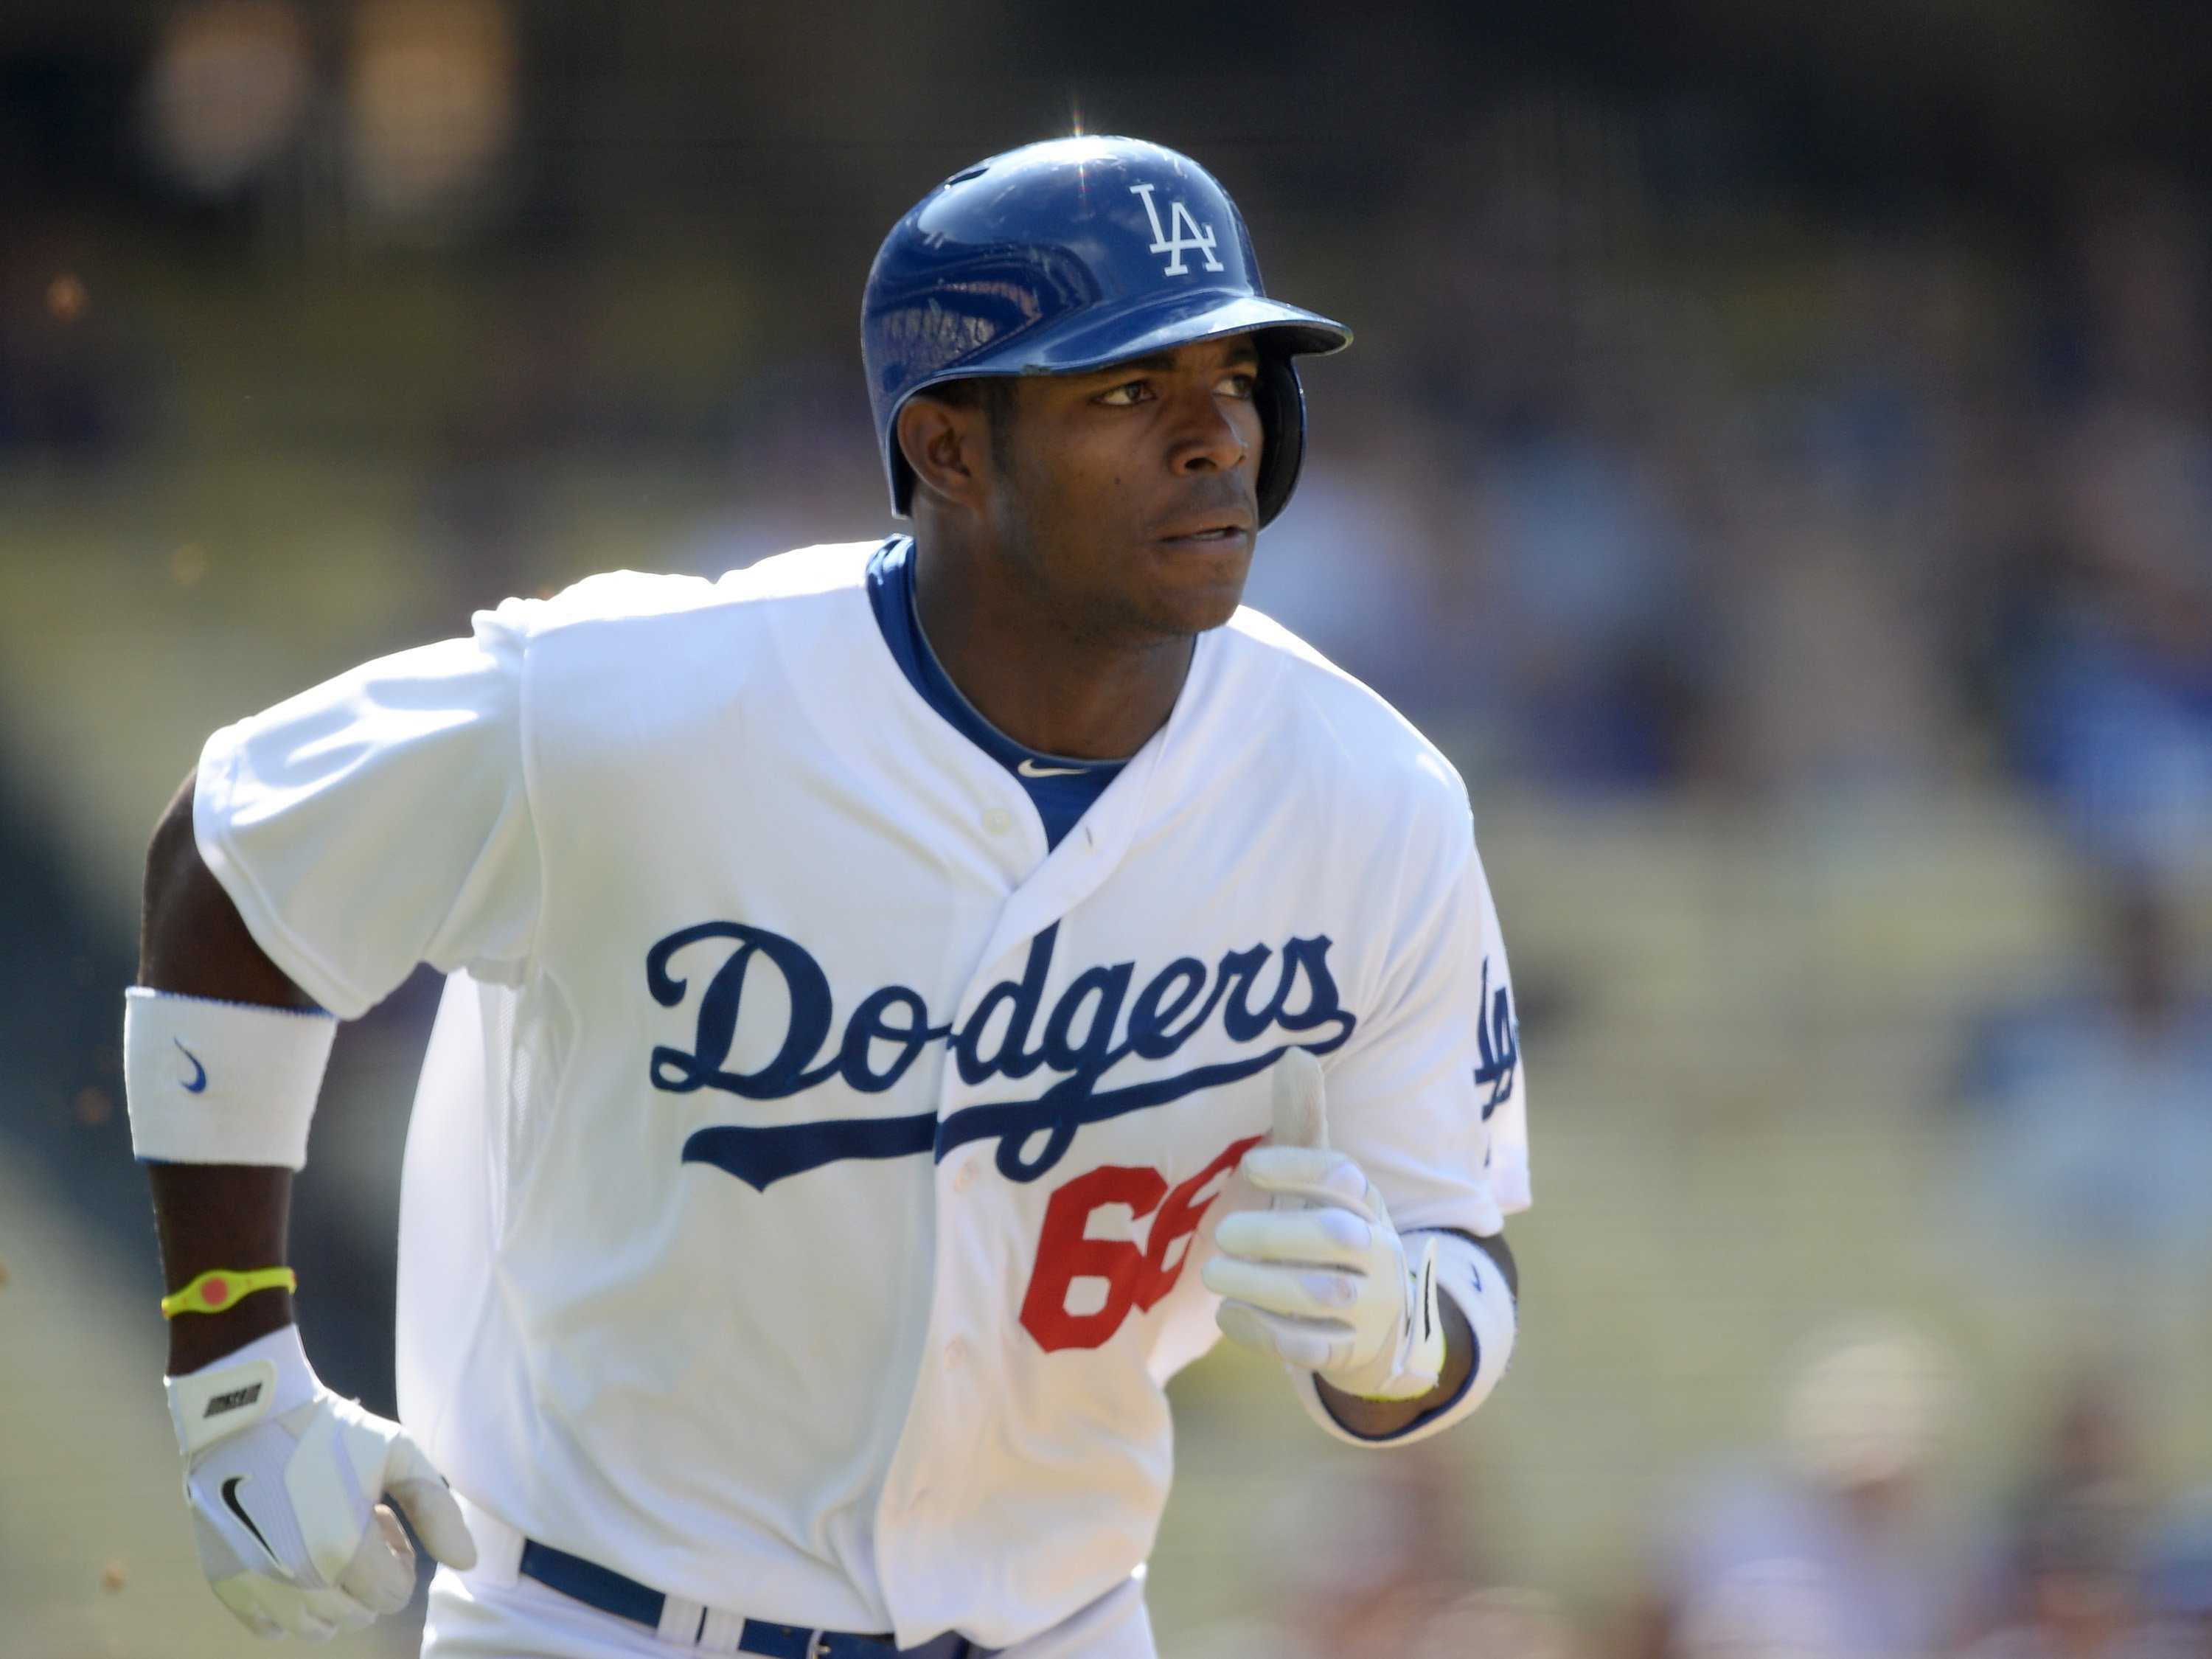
point(284, 1478)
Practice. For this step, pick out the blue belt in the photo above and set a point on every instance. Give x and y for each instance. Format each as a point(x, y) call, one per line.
point(604, 1588)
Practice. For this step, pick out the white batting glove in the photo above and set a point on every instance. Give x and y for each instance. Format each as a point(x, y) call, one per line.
point(283, 1478)
point(1321, 1278)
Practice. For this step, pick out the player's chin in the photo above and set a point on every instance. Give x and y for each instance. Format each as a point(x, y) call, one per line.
point(1195, 585)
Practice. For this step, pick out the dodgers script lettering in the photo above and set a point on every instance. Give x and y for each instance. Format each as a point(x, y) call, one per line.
point(1100, 1018)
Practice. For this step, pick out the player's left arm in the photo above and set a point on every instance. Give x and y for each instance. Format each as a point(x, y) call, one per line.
point(1394, 1316)
point(1387, 1419)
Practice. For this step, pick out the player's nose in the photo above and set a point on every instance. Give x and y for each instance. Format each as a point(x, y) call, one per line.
point(1209, 436)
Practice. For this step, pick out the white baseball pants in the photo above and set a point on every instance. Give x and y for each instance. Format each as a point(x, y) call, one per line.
point(473, 1618)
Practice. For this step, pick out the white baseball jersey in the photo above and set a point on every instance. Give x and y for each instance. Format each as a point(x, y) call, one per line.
point(799, 1202)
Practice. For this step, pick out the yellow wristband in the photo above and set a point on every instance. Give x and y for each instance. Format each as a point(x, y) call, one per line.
point(218, 1288)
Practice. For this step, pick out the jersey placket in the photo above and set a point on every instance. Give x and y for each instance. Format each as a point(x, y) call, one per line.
point(936, 1470)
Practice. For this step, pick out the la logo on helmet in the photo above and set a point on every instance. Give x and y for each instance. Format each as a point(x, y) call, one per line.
point(1178, 244)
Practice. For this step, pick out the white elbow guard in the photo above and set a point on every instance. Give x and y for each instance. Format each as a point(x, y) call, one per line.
point(213, 1082)
point(1477, 1287)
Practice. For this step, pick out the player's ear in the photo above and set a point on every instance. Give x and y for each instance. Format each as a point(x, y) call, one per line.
point(947, 444)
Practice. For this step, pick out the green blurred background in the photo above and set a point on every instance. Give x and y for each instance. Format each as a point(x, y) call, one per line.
point(1776, 462)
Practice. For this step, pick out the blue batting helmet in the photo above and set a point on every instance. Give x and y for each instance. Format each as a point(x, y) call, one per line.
point(1068, 255)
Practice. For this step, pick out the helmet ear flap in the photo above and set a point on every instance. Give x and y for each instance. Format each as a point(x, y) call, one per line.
point(1282, 405)
point(901, 481)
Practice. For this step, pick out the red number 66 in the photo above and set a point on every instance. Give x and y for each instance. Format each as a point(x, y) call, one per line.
point(1133, 1276)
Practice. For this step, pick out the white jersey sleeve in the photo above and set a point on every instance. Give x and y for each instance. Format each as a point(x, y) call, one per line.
point(1428, 1095)
point(381, 819)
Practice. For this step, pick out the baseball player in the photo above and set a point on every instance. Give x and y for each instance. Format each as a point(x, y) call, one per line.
point(902, 1000)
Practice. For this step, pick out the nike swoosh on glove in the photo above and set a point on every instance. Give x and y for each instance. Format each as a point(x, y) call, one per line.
point(284, 1481)
point(1321, 1279)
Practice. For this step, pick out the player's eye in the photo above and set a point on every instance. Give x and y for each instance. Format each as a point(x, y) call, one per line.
point(1127, 395)
point(1241, 383)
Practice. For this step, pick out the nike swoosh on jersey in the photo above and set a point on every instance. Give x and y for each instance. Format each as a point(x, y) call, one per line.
point(1030, 768)
point(230, 1502)
point(199, 1071)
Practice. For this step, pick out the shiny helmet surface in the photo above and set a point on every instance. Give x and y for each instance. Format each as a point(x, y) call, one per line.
point(1064, 256)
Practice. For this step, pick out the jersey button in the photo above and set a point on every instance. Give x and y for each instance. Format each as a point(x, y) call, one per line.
point(956, 1354)
point(964, 1176)
point(998, 821)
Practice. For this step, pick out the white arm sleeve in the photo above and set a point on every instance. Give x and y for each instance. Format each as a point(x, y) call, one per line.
point(1428, 1099)
point(381, 820)
point(1428, 1095)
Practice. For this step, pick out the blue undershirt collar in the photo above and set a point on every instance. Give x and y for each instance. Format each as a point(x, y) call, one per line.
point(1061, 787)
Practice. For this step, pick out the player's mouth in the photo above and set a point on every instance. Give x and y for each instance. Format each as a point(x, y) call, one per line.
point(1212, 532)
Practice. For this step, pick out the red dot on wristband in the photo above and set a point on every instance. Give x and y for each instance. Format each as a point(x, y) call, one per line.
point(216, 1293)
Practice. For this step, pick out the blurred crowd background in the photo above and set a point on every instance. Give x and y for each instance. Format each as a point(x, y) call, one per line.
point(1776, 462)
